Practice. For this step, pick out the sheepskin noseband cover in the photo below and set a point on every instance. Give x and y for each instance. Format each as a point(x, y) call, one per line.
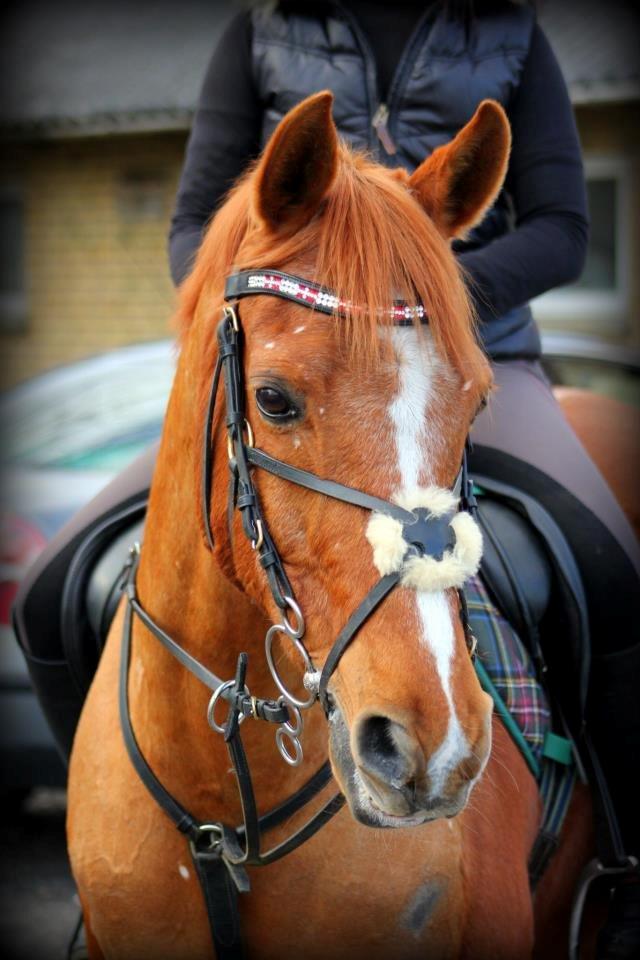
point(442, 549)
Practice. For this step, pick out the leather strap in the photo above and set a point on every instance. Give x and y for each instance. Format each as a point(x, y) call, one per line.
point(271, 710)
point(372, 600)
point(329, 488)
point(221, 901)
point(207, 453)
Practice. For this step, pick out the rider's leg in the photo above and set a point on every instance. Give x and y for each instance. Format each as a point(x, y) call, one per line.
point(523, 436)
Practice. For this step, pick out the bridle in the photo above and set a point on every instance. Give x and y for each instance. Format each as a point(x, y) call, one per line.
point(220, 852)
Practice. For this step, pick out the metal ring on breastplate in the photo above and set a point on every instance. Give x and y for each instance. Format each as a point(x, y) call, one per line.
point(308, 666)
point(211, 709)
point(295, 632)
point(214, 831)
point(293, 759)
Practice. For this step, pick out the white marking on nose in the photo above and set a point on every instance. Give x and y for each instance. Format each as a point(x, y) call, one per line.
point(184, 873)
point(269, 346)
point(415, 446)
point(298, 329)
point(437, 630)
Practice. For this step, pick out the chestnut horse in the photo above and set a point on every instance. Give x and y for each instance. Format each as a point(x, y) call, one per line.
point(384, 409)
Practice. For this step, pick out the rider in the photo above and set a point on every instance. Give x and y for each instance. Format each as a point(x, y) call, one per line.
point(406, 76)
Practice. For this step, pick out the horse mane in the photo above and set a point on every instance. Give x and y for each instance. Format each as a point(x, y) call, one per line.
point(371, 242)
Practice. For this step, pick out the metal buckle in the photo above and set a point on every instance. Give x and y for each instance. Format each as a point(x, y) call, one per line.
point(249, 442)
point(230, 313)
point(259, 540)
point(211, 709)
point(214, 830)
point(472, 645)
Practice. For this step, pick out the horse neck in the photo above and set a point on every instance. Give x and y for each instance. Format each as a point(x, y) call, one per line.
point(185, 592)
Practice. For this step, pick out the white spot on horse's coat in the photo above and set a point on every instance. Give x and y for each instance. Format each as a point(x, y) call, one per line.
point(296, 441)
point(321, 411)
point(298, 329)
point(270, 345)
point(467, 385)
point(182, 870)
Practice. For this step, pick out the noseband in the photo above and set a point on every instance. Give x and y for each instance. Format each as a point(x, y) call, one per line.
point(220, 852)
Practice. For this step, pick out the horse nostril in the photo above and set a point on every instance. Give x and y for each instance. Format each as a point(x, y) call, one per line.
point(387, 752)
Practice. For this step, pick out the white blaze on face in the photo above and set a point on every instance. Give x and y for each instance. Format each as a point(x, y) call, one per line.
point(409, 408)
point(415, 447)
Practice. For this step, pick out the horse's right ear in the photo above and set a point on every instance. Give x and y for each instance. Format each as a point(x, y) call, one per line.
point(298, 165)
point(457, 184)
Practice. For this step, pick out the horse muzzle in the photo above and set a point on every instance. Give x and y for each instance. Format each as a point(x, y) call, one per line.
point(388, 780)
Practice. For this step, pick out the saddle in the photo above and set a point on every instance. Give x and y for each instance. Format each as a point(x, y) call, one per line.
point(62, 616)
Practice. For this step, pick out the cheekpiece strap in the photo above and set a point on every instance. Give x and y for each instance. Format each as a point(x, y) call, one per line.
point(247, 283)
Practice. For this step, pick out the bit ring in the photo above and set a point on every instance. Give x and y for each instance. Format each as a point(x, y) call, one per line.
point(268, 643)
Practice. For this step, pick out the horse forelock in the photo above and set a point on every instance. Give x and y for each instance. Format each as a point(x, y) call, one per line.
point(371, 242)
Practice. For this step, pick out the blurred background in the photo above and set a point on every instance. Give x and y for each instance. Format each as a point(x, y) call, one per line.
point(97, 100)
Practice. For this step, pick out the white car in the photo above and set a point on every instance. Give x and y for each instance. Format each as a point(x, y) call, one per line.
point(65, 434)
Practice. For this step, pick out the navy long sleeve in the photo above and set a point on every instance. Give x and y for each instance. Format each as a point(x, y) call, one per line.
point(224, 137)
point(544, 180)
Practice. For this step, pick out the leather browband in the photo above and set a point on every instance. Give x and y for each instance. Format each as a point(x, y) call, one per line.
point(248, 283)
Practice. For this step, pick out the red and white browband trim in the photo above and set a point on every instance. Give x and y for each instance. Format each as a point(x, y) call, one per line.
point(250, 282)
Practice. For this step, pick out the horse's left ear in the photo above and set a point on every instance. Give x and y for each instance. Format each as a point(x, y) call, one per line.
point(298, 165)
point(460, 180)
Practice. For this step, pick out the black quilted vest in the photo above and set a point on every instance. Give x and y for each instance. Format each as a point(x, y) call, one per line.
point(446, 69)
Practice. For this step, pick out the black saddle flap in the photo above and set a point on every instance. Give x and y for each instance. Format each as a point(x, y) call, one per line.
point(515, 565)
point(104, 587)
point(91, 593)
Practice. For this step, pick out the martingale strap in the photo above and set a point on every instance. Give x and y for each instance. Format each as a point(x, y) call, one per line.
point(221, 853)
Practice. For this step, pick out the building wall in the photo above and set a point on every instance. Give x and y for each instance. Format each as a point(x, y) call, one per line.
point(96, 215)
point(610, 138)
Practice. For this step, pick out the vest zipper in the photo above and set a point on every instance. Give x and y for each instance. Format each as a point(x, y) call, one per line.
point(413, 47)
point(371, 76)
point(381, 115)
point(379, 124)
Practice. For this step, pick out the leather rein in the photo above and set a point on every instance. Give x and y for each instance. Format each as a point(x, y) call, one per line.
point(222, 853)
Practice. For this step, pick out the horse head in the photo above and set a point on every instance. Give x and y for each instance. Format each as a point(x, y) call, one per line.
point(380, 407)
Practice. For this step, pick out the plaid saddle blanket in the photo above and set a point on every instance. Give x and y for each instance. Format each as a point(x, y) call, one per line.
point(509, 667)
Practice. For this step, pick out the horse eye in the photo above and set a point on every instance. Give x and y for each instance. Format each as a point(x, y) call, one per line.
point(275, 404)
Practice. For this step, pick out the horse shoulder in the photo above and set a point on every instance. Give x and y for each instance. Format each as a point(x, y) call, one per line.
point(132, 868)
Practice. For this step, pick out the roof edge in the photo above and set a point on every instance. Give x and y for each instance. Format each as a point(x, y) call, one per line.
point(99, 124)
